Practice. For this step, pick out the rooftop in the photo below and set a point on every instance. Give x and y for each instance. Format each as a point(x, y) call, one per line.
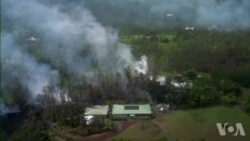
point(97, 110)
point(131, 109)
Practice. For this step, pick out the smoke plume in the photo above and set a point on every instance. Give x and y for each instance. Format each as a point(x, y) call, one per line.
point(69, 36)
point(69, 33)
point(16, 63)
point(20, 67)
point(75, 35)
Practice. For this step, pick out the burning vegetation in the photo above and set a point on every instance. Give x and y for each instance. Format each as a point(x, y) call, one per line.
point(61, 59)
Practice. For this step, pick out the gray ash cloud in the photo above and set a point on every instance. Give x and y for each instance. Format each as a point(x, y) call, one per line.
point(19, 67)
point(65, 36)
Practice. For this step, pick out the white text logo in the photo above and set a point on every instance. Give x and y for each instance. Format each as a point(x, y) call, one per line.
point(234, 130)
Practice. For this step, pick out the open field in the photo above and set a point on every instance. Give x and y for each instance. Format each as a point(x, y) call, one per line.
point(192, 125)
point(143, 130)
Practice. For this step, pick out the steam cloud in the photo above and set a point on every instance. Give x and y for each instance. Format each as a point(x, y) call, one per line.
point(66, 33)
point(68, 29)
point(66, 36)
point(17, 65)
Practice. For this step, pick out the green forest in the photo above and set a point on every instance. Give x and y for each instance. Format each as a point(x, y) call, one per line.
point(54, 68)
point(221, 59)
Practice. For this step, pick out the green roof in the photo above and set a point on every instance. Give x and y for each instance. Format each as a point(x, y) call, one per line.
point(132, 109)
point(97, 110)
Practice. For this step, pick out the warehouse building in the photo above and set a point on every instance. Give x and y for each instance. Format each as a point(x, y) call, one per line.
point(142, 111)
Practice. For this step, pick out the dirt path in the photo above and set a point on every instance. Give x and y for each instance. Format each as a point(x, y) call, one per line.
point(158, 127)
point(97, 137)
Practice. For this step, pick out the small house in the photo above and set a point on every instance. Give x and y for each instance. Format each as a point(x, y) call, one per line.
point(95, 111)
point(131, 111)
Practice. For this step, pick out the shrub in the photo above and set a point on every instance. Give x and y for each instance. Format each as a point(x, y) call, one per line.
point(191, 74)
point(229, 100)
point(246, 105)
point(109, 125)
point(69, 139)
point(84, 132)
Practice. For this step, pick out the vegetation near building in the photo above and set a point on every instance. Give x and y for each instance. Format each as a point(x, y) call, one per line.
point(131, 111)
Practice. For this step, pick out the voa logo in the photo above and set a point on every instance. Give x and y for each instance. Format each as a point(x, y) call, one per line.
point(236, 130)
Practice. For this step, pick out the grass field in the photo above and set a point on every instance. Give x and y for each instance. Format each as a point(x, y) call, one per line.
point(143, 130)
point(192, 125)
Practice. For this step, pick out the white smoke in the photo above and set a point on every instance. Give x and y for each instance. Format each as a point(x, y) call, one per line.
point(141, 66)
point(17, 63)
point(6, 110)
point(63, 38)
point(67, 34)
point(161, 80)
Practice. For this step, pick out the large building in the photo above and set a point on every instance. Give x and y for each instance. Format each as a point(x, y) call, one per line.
point(131, 111)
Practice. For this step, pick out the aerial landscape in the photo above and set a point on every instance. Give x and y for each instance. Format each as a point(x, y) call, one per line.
point(125, 70)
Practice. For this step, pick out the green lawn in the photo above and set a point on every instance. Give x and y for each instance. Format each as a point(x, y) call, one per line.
point(143, 130)
point(193, 125)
